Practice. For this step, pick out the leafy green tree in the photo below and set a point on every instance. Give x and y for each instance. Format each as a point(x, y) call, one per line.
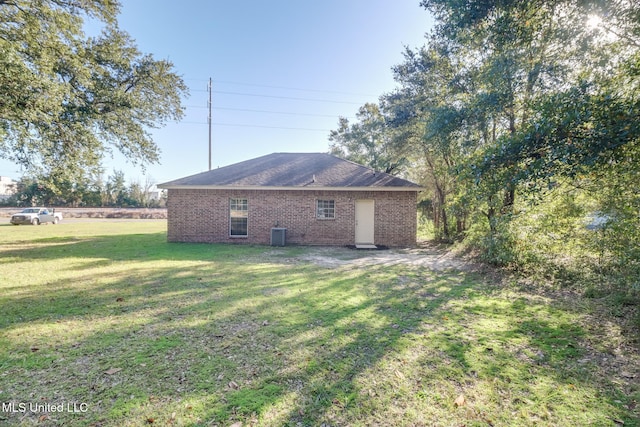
point(549, 110)
point(547, 77)
point(59, 189)
point(140, 193)
point(472, 87)
point(66, 99)
point(116, 189)
point(90, 194)
point(425, 113)
point(31, 193)
point(368, 141)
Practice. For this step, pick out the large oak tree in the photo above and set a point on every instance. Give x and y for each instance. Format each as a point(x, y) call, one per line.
point(67, 99)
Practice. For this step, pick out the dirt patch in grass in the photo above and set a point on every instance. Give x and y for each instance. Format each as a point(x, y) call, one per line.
point(427, 255)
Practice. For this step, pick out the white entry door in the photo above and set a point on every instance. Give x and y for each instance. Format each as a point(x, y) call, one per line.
point(365, 210)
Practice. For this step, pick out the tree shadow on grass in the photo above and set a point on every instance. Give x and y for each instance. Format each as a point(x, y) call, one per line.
point(523, 361)
point(185, 334)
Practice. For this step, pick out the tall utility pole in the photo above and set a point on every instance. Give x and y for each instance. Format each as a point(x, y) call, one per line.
point(209, 123)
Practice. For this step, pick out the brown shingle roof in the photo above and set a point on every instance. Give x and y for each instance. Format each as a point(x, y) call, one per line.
point(294, 170)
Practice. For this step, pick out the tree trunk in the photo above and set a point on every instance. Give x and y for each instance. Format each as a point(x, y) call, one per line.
point(441, 197)
point(509, 199)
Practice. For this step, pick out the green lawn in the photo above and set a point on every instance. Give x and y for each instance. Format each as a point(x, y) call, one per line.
point(108, 320)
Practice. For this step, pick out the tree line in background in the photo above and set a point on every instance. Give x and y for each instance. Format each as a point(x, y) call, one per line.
point(522, 121)
point(92, 191)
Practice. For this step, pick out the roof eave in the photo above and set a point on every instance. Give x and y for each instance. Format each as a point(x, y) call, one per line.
point(270, 188)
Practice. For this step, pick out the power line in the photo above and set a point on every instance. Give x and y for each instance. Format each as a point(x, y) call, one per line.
point(272, 112)
point(278, 112)
point(280, 87)
point(270, 127)
point(287, 97)
point(241, 125)
point(295, 88)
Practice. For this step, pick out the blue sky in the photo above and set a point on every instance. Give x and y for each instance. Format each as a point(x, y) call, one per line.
point(313, 60)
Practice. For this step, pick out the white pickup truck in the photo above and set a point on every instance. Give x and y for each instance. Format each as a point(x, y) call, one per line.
point(36, 216)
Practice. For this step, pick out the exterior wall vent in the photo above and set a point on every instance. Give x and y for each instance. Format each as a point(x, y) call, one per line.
point(278, 236)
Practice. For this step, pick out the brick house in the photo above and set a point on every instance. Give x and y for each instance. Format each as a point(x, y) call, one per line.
point(302, 198)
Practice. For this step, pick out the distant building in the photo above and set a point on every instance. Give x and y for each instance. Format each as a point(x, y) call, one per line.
point(8, 187)
point(155, 193)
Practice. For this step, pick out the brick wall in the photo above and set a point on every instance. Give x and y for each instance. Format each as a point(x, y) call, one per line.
point(203, 216)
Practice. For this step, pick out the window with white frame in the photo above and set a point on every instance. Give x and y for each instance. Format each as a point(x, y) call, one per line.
point(325, 209)
point(238, 217)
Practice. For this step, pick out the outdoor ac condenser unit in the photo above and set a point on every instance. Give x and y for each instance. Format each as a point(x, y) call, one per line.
point(278, 236)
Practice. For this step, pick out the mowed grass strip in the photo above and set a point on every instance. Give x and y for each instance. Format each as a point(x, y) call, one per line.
point(124, 329)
